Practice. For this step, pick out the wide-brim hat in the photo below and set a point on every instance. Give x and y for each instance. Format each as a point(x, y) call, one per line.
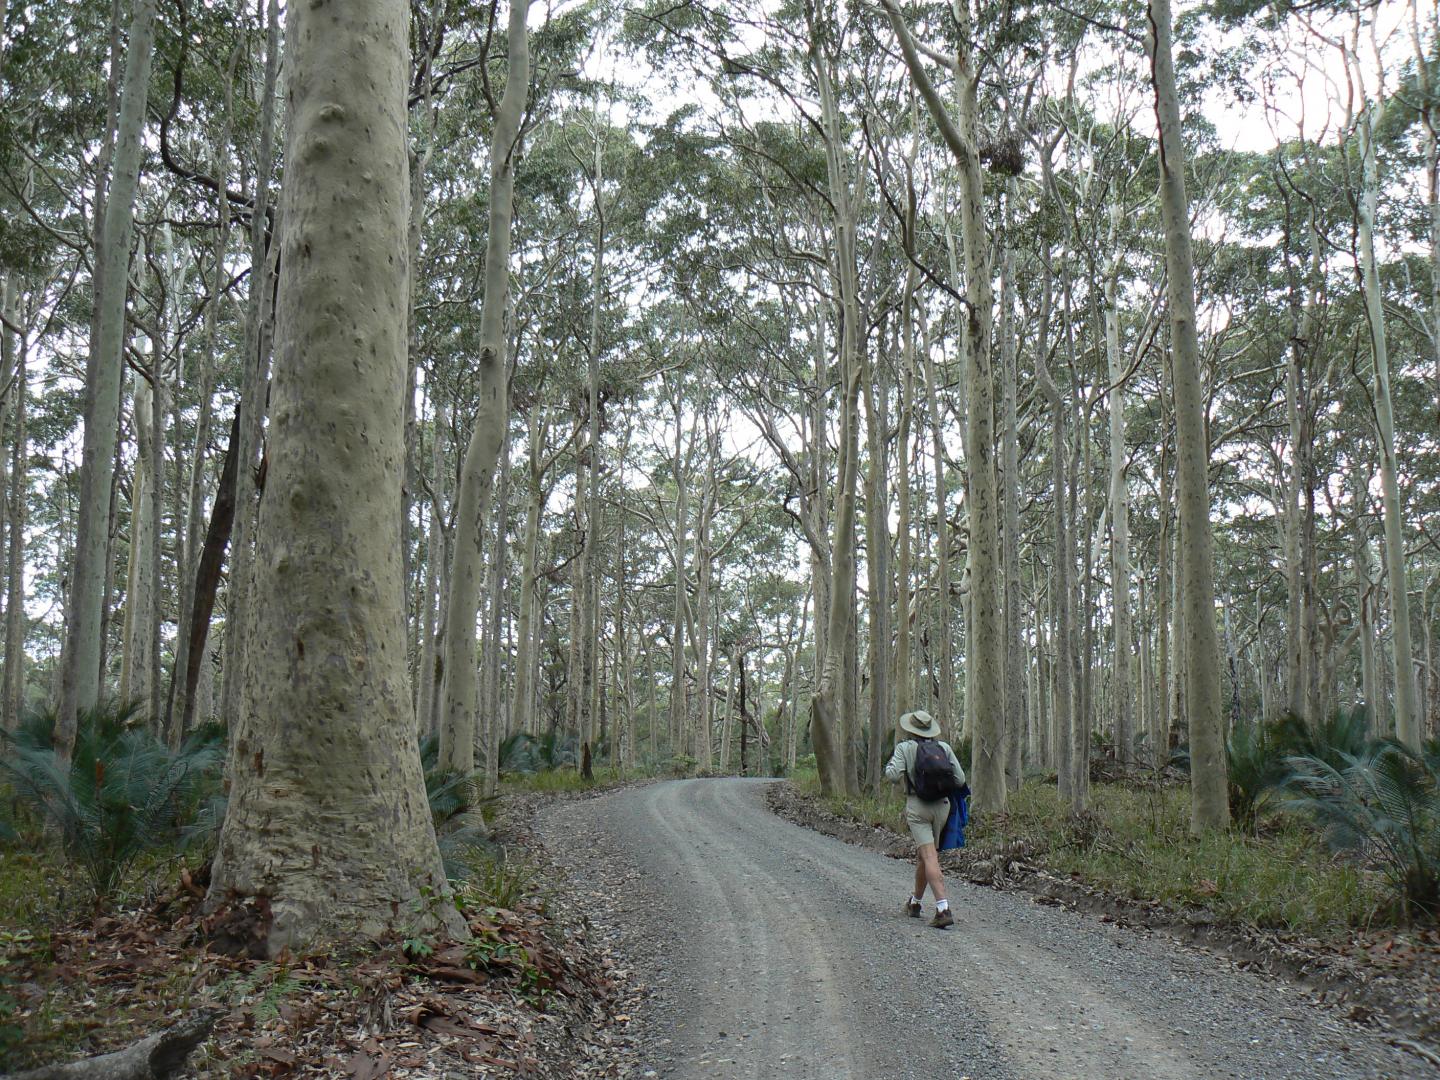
point(920, 723)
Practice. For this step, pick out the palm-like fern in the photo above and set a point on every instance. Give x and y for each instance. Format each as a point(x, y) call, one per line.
point(526, 753)
point(454, 799)
point(123, 792)
point(1384, 801)
point(1256, 768)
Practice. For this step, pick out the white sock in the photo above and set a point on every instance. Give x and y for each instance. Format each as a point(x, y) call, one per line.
point(914, 899)
point(942, 905)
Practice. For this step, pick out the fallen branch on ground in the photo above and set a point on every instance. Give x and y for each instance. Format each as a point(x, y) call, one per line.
point(157, 1057)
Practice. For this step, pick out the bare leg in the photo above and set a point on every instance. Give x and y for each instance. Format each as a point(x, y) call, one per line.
point(919, 892)
point(930, 864)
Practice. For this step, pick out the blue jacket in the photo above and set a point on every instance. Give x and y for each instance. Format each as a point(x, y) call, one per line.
point(954, 834)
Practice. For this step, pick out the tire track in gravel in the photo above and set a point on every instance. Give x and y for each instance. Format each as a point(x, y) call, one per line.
point(769, 950)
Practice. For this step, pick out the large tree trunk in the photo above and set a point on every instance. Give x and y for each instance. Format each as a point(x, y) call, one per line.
point(492, 418)
point(80, 664)
point(1210, 807)
point(328, 830)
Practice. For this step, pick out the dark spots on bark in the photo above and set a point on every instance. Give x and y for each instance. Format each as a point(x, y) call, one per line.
point(257, 763)
point(299, 649)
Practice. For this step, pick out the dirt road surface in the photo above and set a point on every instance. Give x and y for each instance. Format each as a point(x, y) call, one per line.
point(770, 951)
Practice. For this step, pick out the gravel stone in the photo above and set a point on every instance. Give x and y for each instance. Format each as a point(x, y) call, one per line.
point(762, 949)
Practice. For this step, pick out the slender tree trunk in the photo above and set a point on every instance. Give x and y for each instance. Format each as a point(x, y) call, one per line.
point(1119, 507)
point(435, 547)
point(139, 584)
point(327, 818)
point(18, 515)
point(523, 706)
point(251, 412)
point(587, 647)
point(1164, 662)
point(81, 670)
point(1017, 711)
point(1210, 807)
point(156, 475)
point(679, 711)
point(985, 647)
point(1063, 720)
point(457, 721)
point(195, 488)
point(1407, 704)
point(877, 546)
point(829, 724)
point(491, 734)
point(904, 694)
point(704, 604)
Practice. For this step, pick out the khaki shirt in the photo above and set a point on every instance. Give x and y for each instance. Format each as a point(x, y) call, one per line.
point(902, 763)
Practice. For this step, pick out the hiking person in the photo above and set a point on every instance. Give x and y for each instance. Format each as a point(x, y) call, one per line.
point(932, 774)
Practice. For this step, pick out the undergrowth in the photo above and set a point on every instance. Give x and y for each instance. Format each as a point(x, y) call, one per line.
point(1138, 845)
point(563, 780)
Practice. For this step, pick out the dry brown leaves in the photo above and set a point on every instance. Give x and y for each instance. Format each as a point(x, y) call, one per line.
point(535, 1006)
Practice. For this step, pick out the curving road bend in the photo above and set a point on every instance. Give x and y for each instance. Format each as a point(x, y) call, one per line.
point(771, 951)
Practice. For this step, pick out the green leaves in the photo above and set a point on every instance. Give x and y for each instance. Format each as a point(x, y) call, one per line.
point(1384, 803)
point(123, 794)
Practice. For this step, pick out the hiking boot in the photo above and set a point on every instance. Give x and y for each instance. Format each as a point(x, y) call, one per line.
point(942, 919)
point(913, 908)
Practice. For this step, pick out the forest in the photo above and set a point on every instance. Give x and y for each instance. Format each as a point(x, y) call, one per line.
point(407, 407)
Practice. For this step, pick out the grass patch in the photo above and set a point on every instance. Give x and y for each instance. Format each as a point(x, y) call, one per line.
point(33, 894)
point(564, 779)
point(1136, 843)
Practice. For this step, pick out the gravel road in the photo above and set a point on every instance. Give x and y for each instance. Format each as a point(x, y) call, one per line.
point(770, 951)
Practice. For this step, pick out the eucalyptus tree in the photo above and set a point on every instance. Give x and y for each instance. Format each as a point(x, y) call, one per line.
point(327, 818)
point(115, 198)
point(1210, 807)
point(985, 653)
point(487, 438)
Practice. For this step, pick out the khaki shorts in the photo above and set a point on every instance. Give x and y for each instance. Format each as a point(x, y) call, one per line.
point(926, 819)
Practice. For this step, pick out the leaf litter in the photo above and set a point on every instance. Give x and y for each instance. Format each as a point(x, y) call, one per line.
point(533, 994)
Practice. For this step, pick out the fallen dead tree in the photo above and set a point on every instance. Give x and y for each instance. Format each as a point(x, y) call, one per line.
point(157, 1057)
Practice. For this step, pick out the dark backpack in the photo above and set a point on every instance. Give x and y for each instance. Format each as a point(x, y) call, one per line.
point(933, 779)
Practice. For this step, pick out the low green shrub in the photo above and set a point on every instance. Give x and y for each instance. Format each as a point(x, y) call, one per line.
point(524, 753)
point(1256, 771)
point(457, 808)
point(1383, 802)
point(123, 794)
